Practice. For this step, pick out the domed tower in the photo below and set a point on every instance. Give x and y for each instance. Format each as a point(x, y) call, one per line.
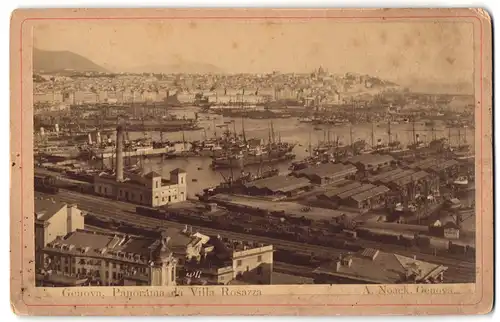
point(163, 268)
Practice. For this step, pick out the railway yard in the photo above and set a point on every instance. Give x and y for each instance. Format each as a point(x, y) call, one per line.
point(291, 256)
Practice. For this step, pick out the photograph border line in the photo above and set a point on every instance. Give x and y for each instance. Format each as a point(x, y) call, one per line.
point(254, 18)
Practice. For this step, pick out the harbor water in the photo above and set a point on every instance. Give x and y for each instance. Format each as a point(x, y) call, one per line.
point(289, 130)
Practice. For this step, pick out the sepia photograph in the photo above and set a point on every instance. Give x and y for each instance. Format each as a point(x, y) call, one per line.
point(189, 153)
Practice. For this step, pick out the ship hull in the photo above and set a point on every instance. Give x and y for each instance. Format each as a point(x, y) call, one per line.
point(250, 160)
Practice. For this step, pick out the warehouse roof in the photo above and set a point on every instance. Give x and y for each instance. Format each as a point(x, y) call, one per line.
point(338, 190)
point(370, 193)
point(444, 165)
point(279, 183)
point(328, 170)
point(397, 176)
point(355, 191)
point(413, 177)
point(384, 175)
point(423, 164)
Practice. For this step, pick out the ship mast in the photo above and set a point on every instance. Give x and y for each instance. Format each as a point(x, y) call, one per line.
point(413, 132)
point(272, 131)
point(350, 135)
point(389, 131)
point(243, 130)
point(269, 131)
point(215, 130)
point(184, 140)
point(310, 144)
point(459, 142)
point(373, 136)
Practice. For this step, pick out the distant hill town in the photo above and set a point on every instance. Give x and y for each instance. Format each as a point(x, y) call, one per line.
point(67, 63)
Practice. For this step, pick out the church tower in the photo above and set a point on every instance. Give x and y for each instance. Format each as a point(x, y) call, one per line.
point(163, 271)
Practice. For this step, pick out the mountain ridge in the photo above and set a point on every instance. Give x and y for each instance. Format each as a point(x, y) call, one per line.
point(53, 61)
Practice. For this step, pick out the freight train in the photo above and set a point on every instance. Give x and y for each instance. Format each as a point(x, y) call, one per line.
point(340, 233)
point(274, 225)
point(46, 184)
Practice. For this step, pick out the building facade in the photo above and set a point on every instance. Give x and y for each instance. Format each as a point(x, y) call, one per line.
point(150, 190)
point(53, 219)
point(111, 259)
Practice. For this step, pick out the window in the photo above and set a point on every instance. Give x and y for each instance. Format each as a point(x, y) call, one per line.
point(121, 193)
point(169, 198)
point(259, 270)
point(156, 184)
point(140, 196)
point(182, 180)
point(73, 270)
point(173, 274)
point(114, 275)
point(66, 269)
point(238, 263)
point(107, 274)
point(114, 265)
point(105, 191)
point(259, 258)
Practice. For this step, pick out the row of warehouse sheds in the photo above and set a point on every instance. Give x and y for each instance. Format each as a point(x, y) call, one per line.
point(362, 181)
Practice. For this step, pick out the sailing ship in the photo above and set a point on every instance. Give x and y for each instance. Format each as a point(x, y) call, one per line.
point(252, 152)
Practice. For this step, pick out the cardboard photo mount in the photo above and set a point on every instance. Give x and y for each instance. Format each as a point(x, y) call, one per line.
point(336, 299)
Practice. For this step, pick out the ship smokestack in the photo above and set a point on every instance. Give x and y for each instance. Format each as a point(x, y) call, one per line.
point(119, 153)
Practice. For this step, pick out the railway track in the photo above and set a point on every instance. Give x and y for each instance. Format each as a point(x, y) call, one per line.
point(458, 270)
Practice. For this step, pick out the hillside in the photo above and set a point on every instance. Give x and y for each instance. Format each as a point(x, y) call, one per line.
point(54, 61)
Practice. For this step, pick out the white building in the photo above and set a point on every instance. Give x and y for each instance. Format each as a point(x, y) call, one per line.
point(150, 190)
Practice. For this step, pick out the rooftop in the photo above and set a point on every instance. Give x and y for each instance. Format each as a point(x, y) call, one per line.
point(152, 175)
point(117, 246)
point(374, 266)
point(46, 208)
point(360, 189)
point(279, 183)
point(444, 165)
point(374, 192)
point(410, 178)
point(396, 176)
point(328, 170)
point(383, 175)
point(289, 279)
point(338, 190)
point(177, 171)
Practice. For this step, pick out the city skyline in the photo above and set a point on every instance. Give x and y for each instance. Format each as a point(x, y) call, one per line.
point(403, 52)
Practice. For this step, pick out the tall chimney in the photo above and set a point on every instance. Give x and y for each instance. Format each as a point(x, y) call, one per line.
point(119, 153)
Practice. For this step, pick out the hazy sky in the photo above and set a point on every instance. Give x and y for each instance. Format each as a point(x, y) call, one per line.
point(436, 52)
